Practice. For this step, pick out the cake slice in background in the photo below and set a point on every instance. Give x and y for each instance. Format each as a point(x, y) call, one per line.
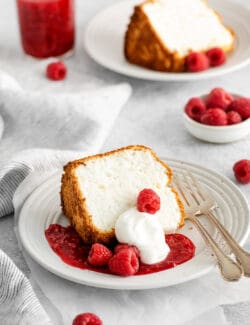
point(161, 33)
point(96, 190)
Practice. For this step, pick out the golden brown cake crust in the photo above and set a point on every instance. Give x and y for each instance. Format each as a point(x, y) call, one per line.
point(146, 48)
point(143, 46)
point(74, 203)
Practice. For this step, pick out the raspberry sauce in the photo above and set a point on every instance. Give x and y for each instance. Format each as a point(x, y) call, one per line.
point(67, 244)
point(47, 26)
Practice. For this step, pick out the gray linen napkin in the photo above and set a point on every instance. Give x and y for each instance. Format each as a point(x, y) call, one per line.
point(18, 302)
point(56, 124)
point(74, 121)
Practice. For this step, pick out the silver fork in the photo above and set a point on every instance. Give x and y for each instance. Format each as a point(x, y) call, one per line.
point(230, 270)
point(207, 205)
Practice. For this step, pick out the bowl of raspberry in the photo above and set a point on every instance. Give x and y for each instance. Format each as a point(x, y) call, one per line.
point(218, 117)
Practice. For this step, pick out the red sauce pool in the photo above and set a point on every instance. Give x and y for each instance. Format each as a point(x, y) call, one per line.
point(47, 26)
point(67, 244)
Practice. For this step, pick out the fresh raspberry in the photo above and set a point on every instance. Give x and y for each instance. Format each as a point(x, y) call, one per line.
point(194, 108)
point(124, 263)
point(120, 247)
point(216, 56)
point(214, 116)
point(233, 117)
point(148, 201)
point(56, 70)
point(99, 255)
point(87, 319)
point(196, 62)
point(242, 171)
point(219, 98)
point(242, 106)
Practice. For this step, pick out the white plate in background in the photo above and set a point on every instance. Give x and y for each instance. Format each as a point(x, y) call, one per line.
point(104, 39)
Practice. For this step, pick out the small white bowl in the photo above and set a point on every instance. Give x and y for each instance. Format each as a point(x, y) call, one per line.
point(217, 134)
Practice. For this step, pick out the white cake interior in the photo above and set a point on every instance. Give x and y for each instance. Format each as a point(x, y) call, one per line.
point(111, 185)
point(185, 25)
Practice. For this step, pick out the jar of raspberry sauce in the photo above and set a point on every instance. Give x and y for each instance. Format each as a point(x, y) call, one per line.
point(47, 27)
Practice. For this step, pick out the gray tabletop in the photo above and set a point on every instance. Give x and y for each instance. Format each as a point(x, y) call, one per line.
point(151, 117)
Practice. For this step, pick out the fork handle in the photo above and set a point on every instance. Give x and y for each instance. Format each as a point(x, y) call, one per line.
point(241, 255)
point(229, 269)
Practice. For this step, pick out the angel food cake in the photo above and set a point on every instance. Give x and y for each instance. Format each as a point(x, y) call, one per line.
point(162, 33)
point(123, 215)
point(96, 190)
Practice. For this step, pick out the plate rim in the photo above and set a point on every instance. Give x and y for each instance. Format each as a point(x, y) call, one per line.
point(147, 74)
point(122, 285)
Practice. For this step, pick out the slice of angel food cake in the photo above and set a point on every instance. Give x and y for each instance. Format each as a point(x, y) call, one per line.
point(162, 33)
point(96, 190)
point(123, 213)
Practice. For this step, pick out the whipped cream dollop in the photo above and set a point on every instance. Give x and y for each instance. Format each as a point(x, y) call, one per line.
point(144, 231)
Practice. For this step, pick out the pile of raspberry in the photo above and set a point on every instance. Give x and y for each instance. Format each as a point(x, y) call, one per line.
point(199, 61)
point(124, 259)
point(219, 108)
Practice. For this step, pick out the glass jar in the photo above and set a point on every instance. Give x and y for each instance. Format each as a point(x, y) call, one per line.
point(47, 27)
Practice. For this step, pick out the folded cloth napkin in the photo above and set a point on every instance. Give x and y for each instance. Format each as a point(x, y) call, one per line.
point(18, 302)
point(80, 121)
point(64, 121)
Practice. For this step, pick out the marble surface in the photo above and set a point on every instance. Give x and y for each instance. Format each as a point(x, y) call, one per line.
point(151, 117)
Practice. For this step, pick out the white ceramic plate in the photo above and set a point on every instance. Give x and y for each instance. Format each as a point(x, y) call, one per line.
point(43, 208)
point(104, 39)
